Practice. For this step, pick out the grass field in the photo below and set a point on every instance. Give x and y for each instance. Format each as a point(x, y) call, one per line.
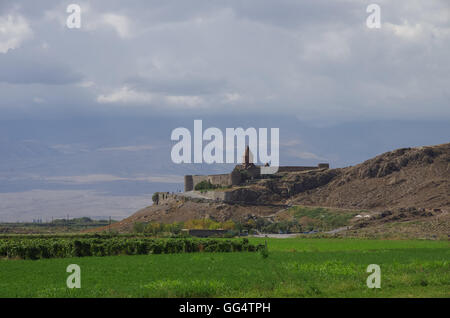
point(294, 268)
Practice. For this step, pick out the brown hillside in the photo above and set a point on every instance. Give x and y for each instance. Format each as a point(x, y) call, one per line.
point(180, 211)
point(408, 179)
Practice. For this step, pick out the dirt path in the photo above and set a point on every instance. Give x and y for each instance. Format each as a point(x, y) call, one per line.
point(276, 235)
point(340, 229)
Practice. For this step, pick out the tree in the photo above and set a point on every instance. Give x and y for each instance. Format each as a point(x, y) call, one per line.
point(228, 225)
point(153, 228)
point(138, 227)
point(205, 185)
point(155, 198)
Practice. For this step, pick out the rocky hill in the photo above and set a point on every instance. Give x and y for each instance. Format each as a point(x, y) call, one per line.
point(408, 177)
point(406, 184)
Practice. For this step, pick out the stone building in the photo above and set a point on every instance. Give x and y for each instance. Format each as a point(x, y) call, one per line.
point(241, 173)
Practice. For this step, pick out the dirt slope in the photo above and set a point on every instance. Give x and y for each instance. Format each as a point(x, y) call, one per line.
point(409, 177)
point(181, 211)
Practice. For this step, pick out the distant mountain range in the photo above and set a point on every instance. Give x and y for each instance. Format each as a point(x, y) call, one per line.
point(124, 160)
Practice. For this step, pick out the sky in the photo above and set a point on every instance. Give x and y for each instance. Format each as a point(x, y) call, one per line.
point(86, 114)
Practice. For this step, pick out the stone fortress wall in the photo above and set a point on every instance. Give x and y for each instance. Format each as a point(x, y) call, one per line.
point(234, 178)
point(168, 197)
point(222, 180)
point(240, 175)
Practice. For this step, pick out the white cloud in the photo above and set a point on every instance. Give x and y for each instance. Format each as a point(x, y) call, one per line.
point(232, 97)
point(405, 30)
point(126, 95)
point(13, 31)
point(119, 23)
point(190, 101)
point(57, 14)
point(93, 20)
point(330, 45)
point(417, 31)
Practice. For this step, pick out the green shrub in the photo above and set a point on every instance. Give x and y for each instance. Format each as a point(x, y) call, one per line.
point(138, 227)
point(237, 246)
point(157, 247)
point(79, 247)
point(263, 250)
point(205, 185)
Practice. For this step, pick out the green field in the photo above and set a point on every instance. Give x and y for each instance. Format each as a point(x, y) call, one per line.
point(294, 268)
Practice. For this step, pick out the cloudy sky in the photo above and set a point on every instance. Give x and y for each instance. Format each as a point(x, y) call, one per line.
point(95, 105)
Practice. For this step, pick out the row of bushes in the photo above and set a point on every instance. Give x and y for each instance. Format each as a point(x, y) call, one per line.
point(155, 228)
point(52, 248)
point(75, 235)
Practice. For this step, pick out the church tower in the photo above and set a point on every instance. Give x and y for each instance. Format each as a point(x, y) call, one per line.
point(247, 160)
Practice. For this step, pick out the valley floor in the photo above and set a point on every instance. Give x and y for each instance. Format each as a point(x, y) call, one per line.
point(295, 267)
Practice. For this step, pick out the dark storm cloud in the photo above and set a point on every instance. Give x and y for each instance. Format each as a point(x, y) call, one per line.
point(186, 85)
point(316, 60)
point(35, 70)
point(294, 14)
